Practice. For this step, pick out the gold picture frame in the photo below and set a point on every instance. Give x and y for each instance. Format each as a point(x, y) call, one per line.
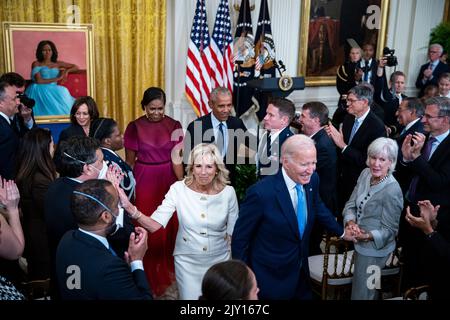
point(74, 43)
point(311, 58)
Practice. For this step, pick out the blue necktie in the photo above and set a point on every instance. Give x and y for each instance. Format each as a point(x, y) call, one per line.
point(352, 134)
point(221, 139)
point(112, 251)
point(301, 214)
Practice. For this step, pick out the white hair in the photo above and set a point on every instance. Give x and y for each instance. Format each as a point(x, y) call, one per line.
point(386, 147)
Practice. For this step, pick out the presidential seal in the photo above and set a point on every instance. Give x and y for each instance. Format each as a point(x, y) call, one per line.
point(285, 83)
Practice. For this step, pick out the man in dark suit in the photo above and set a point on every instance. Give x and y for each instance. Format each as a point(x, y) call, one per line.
point(429, 159)
point(313, 119)
point(87, 266)
point(409, 115)
point(429, 72)
point(77, 159)
point(389, 97)
point(360, 127)
point(9, 140)
point(275, 220)
point(219, 127)
point(368, 64)
point(23, 121)
point(279, 115)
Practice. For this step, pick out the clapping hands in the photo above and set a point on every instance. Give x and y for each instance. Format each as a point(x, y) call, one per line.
point(9, 194)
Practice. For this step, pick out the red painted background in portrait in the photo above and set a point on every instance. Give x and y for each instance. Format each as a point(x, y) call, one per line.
point(71, 48)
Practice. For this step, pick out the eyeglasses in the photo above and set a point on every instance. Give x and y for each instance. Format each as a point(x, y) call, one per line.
point(427, 116)
point(351, 100)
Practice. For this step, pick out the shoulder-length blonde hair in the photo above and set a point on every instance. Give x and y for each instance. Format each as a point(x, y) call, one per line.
point(205, 149)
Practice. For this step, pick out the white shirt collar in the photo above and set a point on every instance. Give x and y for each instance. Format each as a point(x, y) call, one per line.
point(6, 117)
point(275, 134)
point(215, 122)
point(441, 137)
point(103, 240)
point(409, 125)
point(315, 132)
point(361, 119)
point(290, 184)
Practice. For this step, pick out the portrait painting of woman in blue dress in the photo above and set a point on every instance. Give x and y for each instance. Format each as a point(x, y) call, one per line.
point(51, 98)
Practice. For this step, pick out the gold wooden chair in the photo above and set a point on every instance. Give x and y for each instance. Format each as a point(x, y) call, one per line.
point(332, 272)
point(37, 289)
point(391, 274)
point(417, 293)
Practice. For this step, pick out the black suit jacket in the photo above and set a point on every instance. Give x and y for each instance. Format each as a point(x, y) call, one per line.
point(9, 142)
point(388, 102)
point(440, 69)
point(353, 160)
point(265, 168)
point(403, 173)
point(205, 126)
point(103, 276)
point(326, 168)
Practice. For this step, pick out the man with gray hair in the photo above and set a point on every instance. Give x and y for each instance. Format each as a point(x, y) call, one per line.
point(360, 127)
point(429, 73)
point(429, 158)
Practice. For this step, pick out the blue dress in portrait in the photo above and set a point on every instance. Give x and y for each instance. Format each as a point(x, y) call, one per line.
point(51, 98)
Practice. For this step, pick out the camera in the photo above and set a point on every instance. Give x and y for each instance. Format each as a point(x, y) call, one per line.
point(391, 60)
point(25, 100)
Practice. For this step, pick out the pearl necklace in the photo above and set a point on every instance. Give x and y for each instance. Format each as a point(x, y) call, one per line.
point(378, 182)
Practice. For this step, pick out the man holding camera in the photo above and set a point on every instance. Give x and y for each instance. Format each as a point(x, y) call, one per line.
point(389, 97)
point(23, 121)
point(429, 73)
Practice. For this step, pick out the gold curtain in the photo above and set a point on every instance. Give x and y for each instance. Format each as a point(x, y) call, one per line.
point(129, 46)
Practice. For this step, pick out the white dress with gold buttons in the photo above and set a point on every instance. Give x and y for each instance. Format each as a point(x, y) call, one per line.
point(204, 223)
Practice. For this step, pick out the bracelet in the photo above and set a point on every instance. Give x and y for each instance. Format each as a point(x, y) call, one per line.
point(136, 214)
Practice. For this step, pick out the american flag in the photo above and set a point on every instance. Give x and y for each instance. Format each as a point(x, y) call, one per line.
point(199, 61)
point(222, 48)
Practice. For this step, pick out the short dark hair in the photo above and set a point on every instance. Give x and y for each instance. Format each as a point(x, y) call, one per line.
point(102, 128)
point(91, 105)
point(13, 79)
point(87, 211)
point(153, 93)
point(285, 106)
point(317, 110)
point(228, 280)
point(445, 75)
point(72, 154)
point(40, 47)
point(396, 74)
point(3, 86)
point(415, 104)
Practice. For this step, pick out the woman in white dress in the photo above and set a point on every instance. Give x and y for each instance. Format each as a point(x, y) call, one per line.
point(207, 210)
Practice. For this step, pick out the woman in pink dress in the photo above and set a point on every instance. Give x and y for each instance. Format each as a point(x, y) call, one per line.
point(149, 143)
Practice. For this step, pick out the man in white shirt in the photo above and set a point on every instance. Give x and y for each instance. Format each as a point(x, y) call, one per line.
point(9, 141)
point(86, 265)
point(429, 159)
point(279, 114)
point(429, 72)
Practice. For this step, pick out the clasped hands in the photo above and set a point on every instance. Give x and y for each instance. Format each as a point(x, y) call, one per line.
point(354, 233)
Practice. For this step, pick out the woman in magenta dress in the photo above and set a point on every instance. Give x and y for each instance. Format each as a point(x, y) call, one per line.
point(150, 142)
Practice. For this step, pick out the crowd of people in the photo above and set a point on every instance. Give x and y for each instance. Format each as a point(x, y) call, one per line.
point(166, 223)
